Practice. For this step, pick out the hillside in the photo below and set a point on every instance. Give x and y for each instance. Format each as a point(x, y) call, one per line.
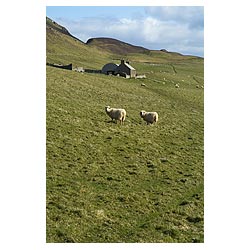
point(130, 183)
point(63, 48)
point(53, 26)
point(115, 46)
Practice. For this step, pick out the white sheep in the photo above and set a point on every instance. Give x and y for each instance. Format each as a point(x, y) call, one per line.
point(117, 114)
point(149, 117)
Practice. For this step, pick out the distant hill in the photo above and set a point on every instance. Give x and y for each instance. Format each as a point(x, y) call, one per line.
point(63, 48)
point(116, 46)
point(104, 43)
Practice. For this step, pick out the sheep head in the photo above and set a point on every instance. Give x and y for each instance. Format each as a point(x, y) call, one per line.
point(142, 113)
point(107, 108)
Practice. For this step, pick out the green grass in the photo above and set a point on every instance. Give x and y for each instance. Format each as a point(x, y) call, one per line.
point(131, 183)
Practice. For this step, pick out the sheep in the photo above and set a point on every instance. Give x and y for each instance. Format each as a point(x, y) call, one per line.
point(117, 114)
point(177, 85)
point(149, 117)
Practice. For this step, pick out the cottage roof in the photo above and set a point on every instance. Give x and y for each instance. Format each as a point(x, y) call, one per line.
point(129, 66)
point(109, 67)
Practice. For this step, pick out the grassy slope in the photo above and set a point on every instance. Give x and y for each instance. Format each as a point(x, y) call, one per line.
point(61, 48)
point(131, 183)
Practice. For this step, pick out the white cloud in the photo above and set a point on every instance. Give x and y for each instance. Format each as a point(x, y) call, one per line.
point(178, 29)
point(192, 16)
point(160, 32)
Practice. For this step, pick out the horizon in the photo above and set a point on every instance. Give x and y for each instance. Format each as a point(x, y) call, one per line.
point(175, 29)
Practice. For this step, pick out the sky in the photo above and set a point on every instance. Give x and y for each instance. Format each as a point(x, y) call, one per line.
point(174, 28)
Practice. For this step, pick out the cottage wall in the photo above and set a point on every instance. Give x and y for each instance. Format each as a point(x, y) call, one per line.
point(133, 73)
point(126, 68)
